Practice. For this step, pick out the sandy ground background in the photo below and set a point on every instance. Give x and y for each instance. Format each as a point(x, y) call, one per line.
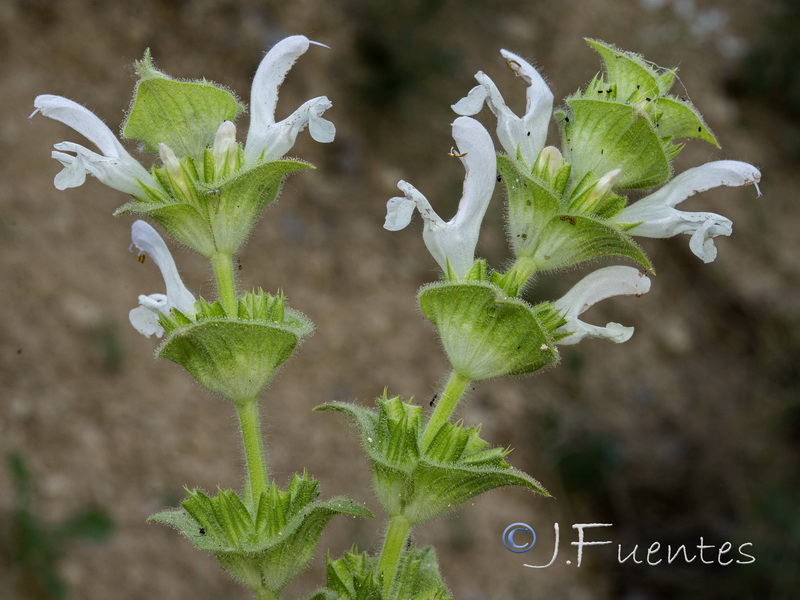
point(690, 430)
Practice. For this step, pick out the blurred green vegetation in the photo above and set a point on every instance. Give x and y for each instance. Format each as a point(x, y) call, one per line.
point(34, 548)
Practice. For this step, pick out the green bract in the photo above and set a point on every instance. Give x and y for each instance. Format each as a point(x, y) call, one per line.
point(486, 334)
point(420, 483)
point(627, 120)
point(184, 115)
point(208, 215)
point(265, 545)
point(551, 226)
point(234, 356)
point(356, 577)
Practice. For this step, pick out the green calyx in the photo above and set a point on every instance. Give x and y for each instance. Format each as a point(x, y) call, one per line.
point(484, 332)
point(184, 115)
point(234, 356)
point(264, 546)
point(355, 576)
point(419, 482)
point(628, 120)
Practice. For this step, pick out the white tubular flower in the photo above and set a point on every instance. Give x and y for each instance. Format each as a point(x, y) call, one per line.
point(267, 139)
point(526, 134)
point(114, 167)
point(455, 240)
point(144, 318)
point(599, 285)
point(658, 218)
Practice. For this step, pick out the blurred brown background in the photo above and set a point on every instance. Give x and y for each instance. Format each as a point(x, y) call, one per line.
point(690, 429)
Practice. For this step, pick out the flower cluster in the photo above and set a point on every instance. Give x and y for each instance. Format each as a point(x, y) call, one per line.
point(566, 206)
point(209, 190)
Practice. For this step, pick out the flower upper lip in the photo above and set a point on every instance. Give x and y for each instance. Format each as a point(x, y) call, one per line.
point(453, 242)
point(525, 135)
point(657, 216)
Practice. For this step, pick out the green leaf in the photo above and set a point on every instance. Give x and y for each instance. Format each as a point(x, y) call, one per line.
point(602, 136)
point(484, 333)
point(183, 115)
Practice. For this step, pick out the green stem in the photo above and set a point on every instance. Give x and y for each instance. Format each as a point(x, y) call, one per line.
point(250, 425)
point(226, 284)
point(396, 539)
point(452, 393)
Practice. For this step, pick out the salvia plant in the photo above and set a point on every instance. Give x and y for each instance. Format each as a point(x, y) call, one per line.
point(565, 205)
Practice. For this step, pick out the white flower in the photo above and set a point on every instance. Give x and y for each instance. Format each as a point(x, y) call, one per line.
point(114, 167)
point(144, 318)
point(658, 217)
point(267, 139)
point(455, 240)
point(526, 134)
point(599, 285)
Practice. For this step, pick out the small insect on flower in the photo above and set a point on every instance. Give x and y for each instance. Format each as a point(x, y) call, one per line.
point(202, 531)
point(433, 400)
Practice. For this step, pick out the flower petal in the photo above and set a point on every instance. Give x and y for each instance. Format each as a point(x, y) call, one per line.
point(279, 138)
point(599, 285)
point(115, 167)
point(658, 218)
point(147, 241)
point(144, 318)
point(524, 135)
point(453, 242)
point(538, 109)
point(73, 174)
point(82, 120)
point(115, 172)
point(263, 137)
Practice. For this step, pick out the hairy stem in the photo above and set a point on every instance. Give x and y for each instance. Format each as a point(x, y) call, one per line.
point(250, 425)
point(226, 284)
point(396, 539)
point(452, 393)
